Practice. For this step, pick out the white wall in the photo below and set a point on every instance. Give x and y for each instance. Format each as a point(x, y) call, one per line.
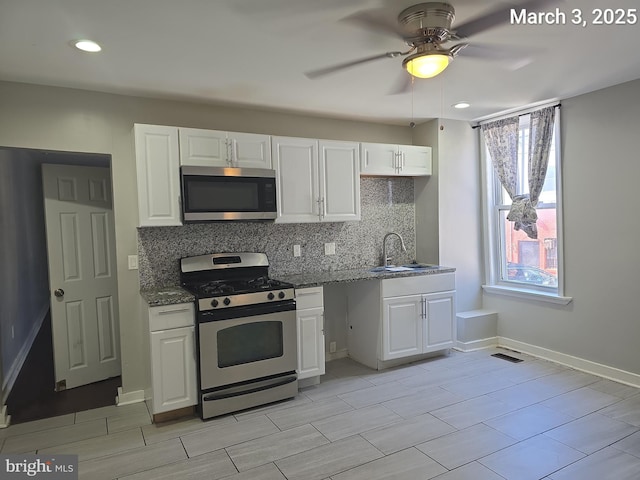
point(600, 173)
point(426, 196)
point(459, 212)
point(80, 121)
point(448, 207)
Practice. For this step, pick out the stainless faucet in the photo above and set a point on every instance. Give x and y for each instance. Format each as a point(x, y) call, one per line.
point(385, 258)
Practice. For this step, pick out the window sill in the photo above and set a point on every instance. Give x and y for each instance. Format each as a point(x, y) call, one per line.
point(527, 294)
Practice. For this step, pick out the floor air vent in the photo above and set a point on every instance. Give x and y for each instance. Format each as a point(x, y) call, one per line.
point(507, 357)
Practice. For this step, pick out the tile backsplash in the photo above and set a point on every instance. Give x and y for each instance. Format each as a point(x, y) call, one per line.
point(387, 206)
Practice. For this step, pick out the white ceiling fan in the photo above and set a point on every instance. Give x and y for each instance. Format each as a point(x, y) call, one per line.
point(426, 28)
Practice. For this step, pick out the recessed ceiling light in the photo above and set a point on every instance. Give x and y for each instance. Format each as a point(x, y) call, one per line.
point(462, 105)
point(87, 46)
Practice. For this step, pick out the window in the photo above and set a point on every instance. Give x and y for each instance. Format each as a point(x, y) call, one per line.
point(517, 262)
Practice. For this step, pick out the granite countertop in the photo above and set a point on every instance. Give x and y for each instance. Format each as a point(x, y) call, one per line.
point(315, 279)
point(166, 296)
point(174, 294)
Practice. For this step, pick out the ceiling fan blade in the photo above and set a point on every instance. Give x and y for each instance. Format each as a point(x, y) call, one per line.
point(402, 85)
point(342, 66)
point(497, 16)
point(377, 20)
point(510, 57)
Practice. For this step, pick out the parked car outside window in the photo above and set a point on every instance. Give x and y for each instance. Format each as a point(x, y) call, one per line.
point(532, 275)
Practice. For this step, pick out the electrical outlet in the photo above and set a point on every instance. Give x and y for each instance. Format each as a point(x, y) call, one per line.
point(330, 248)
point(332, 347)
point(133, 262)
point(297, 251)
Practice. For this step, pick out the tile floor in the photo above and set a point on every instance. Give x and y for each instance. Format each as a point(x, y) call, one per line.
point(455, 417)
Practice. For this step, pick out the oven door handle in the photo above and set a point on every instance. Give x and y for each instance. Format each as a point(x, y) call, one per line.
point(251, 388)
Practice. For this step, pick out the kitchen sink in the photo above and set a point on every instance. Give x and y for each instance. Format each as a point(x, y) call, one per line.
point(403, 268)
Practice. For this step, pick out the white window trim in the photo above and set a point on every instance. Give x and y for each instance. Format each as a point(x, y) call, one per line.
point(493, 284)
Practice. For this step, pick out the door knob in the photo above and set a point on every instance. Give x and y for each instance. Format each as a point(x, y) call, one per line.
point(58, 292)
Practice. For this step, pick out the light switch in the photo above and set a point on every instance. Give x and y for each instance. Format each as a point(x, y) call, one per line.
point(133, 262)
point(330, 248)
point(297, 251)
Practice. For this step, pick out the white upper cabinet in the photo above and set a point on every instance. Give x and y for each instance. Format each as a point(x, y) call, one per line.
point(200, 147)
point(316, 180)
point(295, 161)
point(394, 160)
point(158, 172)
point(339, 181)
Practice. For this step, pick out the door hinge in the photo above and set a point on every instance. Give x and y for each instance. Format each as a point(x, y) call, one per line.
point(61, 385)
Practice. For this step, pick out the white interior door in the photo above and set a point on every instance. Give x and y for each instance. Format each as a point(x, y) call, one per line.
point(82, 274)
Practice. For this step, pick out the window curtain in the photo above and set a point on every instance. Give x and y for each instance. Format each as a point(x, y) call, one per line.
point(540, 136)
point(501, 138)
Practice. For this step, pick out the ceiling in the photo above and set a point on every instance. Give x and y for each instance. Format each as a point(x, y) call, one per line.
point(255, 52)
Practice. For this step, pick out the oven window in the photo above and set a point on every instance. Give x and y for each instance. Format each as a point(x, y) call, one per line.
point(250, 342)
point(222, 196)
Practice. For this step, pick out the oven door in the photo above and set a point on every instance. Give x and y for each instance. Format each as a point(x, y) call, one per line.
point(259, 341)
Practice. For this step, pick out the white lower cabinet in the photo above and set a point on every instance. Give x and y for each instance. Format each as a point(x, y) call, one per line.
point(401, 327)
point(310, 323)
point(173, 357)
point(400, 318)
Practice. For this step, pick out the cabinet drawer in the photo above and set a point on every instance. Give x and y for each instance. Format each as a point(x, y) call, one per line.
point(171, 316)
point(397, 287)
point(309, 298)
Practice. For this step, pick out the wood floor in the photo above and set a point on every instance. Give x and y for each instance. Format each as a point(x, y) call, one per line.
point(466, 416)
point(33, 395)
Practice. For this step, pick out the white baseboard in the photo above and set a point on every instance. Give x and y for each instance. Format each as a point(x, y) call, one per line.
point(577, 363)
point(128, 398)
point(5, 419)
point(476, 344)
point(17, 364)
point(336, 355)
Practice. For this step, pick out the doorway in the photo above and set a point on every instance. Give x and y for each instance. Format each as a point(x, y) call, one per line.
point(25, 326)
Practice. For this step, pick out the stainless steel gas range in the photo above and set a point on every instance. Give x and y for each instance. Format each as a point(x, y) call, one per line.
point(245, 332)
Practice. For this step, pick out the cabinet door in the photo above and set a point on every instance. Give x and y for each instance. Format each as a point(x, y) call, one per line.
point(339, 181)
point(310, 342)
point(401, 327)
point(250, 150)
point(296, 164)
point(440, 323)
point(415, 160)
point(203, 148)
point(173, 369)
point(378, 159)
point(158, 172)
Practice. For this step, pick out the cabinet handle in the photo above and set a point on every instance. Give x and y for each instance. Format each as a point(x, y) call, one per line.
point(403, 161)
point(423, 304)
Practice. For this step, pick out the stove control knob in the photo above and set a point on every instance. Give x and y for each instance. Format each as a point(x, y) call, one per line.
point(281, 295)
point(214, 303)
point(270, 296)
point(226, 301)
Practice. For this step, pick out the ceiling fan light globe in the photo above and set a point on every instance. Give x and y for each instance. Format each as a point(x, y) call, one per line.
point(426, 66)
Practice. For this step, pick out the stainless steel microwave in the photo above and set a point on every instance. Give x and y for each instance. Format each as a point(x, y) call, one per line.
point(223, 193)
